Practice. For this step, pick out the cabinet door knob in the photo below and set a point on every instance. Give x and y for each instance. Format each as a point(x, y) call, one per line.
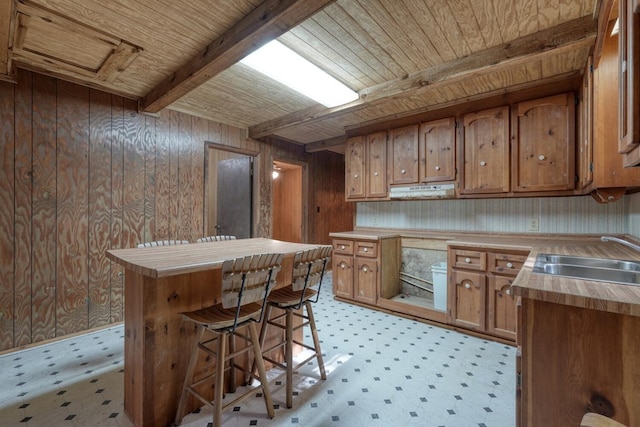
point(508, 292)
point(509, 265)
point(343, 265)
point(355, 175)
point(541, 157)
point(365, 269)
point(342, 247)
point(467, 286)
point(467, 260)
point(437, 168)
point(375, 174)
point(403, 171)
point(483, 163)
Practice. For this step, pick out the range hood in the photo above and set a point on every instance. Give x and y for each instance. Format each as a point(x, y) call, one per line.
point(422, 191)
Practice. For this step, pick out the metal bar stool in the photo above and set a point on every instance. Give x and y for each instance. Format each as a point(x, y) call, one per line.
point(218, 238)
point(246, 283)
point(162, 243)
point(308, 271)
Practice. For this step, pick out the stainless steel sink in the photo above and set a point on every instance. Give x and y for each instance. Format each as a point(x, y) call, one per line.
point(597, 269)
point(590, 262)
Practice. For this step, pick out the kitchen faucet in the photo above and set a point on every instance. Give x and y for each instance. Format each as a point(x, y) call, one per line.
point(624, 242)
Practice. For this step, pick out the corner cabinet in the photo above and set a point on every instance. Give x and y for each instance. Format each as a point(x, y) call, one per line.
point(479, 290)
point(366, 167)
point(485, 152)
point(544, 144)
point(629, 82)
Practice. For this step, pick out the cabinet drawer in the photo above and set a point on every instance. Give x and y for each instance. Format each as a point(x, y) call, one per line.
point(506, 263)
point(344, 247)
point(469, 260)
point(367, 249)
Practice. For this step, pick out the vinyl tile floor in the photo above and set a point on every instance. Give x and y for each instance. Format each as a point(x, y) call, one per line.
point(382, 370)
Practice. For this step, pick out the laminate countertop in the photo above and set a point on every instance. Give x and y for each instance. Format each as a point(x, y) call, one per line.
point(164, 261)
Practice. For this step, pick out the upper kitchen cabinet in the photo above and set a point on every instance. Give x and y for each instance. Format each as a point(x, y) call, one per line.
point(404, 151)
point(544, 144)
point(610, 178)
point(366, 166)
point(485, 152)
point(629, 84)
point(437, 141)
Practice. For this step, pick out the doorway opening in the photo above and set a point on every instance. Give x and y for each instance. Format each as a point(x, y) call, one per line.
point(288, 207)
point(228, 192)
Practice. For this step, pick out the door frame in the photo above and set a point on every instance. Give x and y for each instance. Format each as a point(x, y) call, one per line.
point(208, 145)
point(304, 233)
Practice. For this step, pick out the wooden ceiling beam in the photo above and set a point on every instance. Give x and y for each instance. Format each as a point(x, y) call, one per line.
point(566, 36)
point(267, 21)
point(325, 144)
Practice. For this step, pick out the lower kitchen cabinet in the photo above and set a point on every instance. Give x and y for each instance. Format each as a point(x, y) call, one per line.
point(574, 360)
point(479, 290)
point(360, 265)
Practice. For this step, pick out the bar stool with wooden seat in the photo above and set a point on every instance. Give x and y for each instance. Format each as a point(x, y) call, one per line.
point(162, 243)
point(308, 270)
point(591, 419)
point(218, 238)
point(246, 283)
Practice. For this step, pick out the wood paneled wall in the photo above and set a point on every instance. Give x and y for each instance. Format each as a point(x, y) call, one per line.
point(82, 172)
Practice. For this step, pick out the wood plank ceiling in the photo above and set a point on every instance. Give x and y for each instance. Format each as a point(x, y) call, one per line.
point(401, 56)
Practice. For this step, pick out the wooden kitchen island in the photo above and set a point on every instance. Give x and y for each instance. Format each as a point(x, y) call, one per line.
point(160, 283)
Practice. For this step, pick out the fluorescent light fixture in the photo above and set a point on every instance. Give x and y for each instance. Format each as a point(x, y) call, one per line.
point(616, 28)
point(282, 64)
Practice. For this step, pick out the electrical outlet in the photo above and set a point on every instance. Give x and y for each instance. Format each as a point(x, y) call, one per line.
point(534, 224)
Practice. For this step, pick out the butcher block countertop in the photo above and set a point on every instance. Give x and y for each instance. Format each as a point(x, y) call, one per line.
point(164, 261)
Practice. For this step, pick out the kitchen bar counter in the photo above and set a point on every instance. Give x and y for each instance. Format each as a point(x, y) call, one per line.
point(160, 283)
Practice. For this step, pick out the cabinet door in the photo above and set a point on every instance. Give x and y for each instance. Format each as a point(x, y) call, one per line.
point(502, 316)
point(585, 138)
point(355, 158)
point(377, 165)
point(404, 147)
point(629, 69)
point(437, 150)
point(468, 309)
point(544, 144)
point(365, 279)
point(343, 276)
point(485, 152)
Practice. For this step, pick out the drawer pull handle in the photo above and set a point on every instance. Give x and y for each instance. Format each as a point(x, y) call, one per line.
point(437, 168)
point(355, 175)
point(483, 163)
point(541, 157)
point(509, 265)
point(342, 247)
point(467, 286)
point(508, 292)
point(403, 171)
point(366, 249)
point(467, 260)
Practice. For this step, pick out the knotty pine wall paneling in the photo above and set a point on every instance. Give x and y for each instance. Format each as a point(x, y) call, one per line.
point(115, 138)
point(72, 190)
point(99, 209)
point(23, 211)
point(83, 172)
point(7, 230)
point(44, 223)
